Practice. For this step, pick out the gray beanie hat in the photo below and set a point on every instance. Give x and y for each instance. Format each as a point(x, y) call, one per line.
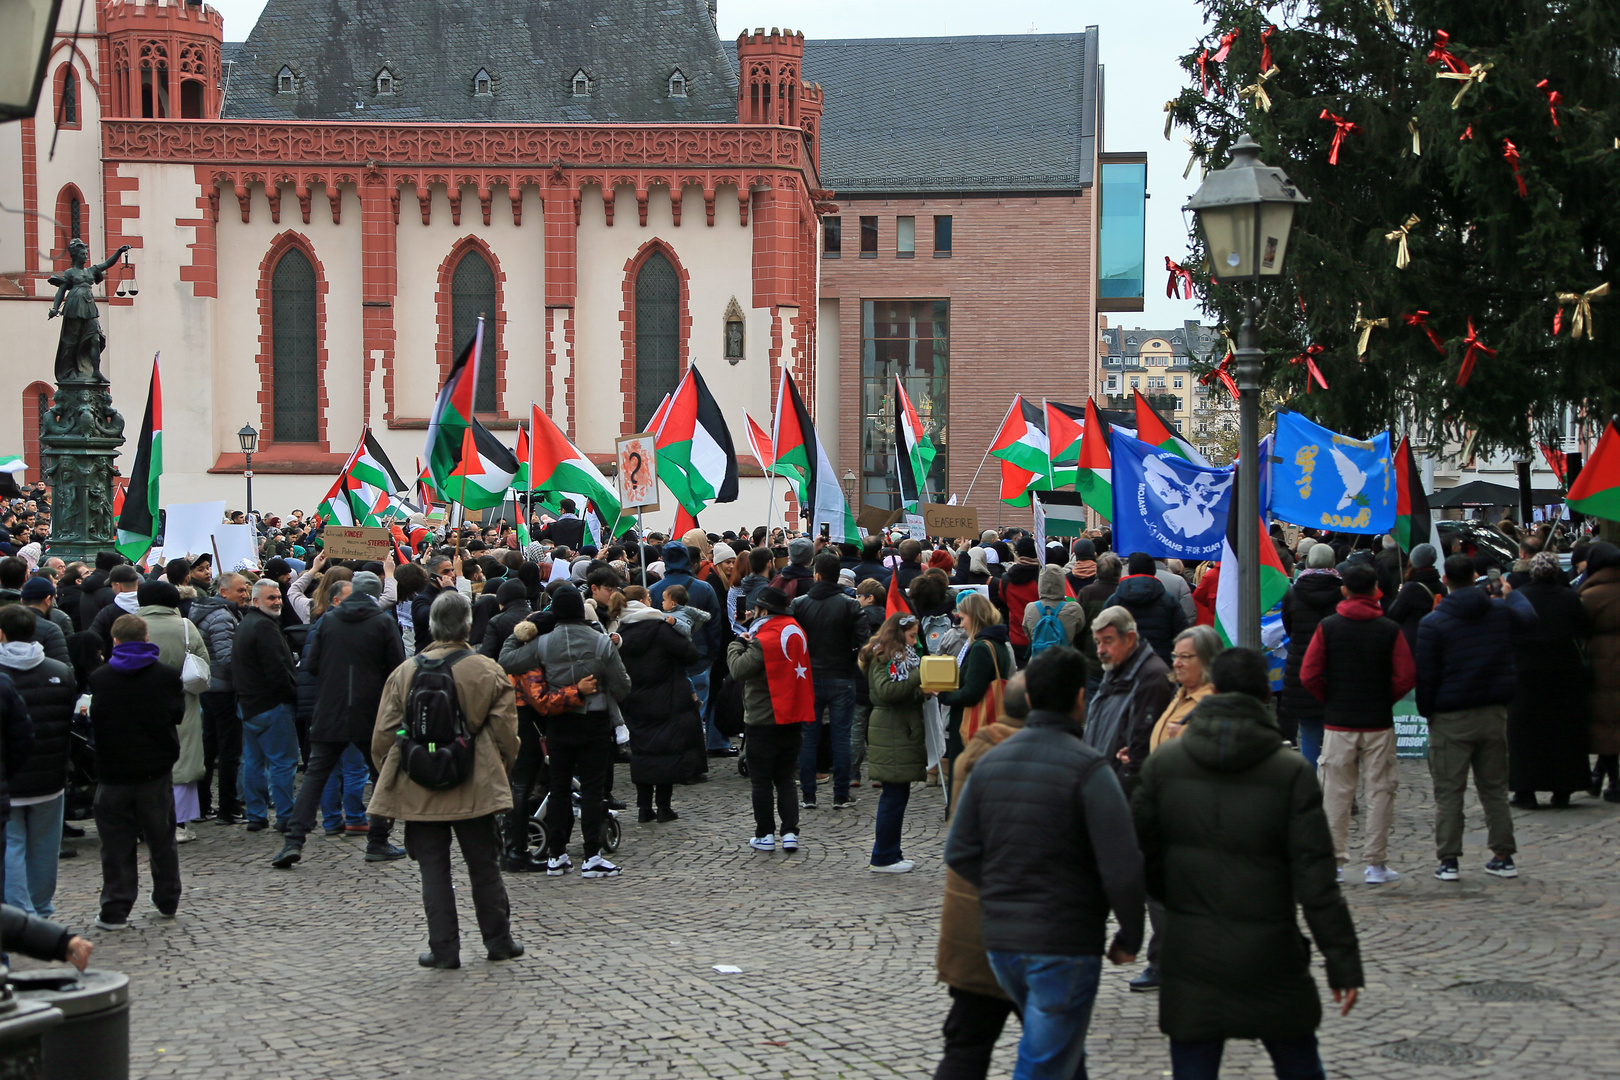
point(1424, 555)
point(800, 551)
point(366, 583)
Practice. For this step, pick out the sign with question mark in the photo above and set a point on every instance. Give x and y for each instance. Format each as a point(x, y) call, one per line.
point(637, 473)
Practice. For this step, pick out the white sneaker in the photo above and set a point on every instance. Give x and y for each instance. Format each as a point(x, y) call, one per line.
point(105, 924)
point(184, 835)
point(904, 866)
point(160, 912)
point(1380, 875)
point(790, 841)
point(766, 842)
point(596, 867)
point(558, 866)
point(1338, 875)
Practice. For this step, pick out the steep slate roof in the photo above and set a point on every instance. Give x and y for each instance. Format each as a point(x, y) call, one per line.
point(531, 49)
point(974, 114)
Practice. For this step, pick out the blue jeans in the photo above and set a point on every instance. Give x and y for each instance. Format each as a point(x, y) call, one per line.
point(1293, 1059)
point(33, 847)
point(269, 762)
point(835, 697)
point(344, 799)
point(891, 814)
point(700, 687)
point(1054, 995)
point(1310, 741)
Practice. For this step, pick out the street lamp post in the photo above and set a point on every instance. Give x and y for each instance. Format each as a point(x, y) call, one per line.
point(250, 442)
point(1245, 215)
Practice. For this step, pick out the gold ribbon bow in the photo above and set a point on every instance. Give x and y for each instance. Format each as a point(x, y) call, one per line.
point(1403, 257)
point(1365, 328)
point(1475, 74)
point(1389, 10)
point(1417, 137)
point(1197, 155)
point(1257, 90)
point(1169, 118)
point(1583, 310)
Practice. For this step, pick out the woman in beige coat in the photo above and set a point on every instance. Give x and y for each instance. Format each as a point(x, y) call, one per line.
point(469, 809)
point(175, 637)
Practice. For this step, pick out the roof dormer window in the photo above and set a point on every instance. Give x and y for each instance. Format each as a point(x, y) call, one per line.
point(582, 84)
point(677, 84)
point(284, 80)
point(385, 82)
point(482, 86)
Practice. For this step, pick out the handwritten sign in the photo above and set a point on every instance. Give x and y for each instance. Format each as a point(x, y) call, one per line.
point(370, 544)
point(637, 472)
point(950, 521)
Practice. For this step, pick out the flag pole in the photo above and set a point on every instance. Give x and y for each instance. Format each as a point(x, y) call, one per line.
point(967, 499)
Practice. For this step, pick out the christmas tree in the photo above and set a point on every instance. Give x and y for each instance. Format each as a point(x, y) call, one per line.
point(1461, 158)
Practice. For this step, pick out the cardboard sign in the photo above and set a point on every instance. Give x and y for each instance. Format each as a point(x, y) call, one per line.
point(875, 518)
point(950, 521)
point(370, 544)
point(915, 527)
point(637, 473)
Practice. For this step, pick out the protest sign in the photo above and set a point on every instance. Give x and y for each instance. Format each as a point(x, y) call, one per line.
point(942, 519)
point(345, 542)
point(189, 528)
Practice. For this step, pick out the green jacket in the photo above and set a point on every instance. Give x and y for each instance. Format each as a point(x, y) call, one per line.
point(1231, 825)
point(896, 749)
point(746, 662)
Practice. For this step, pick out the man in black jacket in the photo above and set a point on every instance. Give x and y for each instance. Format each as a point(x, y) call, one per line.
point(513, 597)
point(834, 629)
point(871, 564)
point(123, 583)
point(1159, 616)
point(34, 835)
point(567, 531)
point(1044, 831)
point(95, 593)
point(266, 693)
point(356, 647)
point(1465, 681)
point(136, 704)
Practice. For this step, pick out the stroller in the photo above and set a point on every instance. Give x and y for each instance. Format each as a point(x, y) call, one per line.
point(540, 839)
point(81, 779)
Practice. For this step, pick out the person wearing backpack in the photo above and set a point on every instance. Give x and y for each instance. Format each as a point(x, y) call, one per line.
point(1054, 619)
point(1419, 593)
point(448, 694)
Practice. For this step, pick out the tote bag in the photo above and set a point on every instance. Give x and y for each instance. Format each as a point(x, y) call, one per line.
point(989, 709)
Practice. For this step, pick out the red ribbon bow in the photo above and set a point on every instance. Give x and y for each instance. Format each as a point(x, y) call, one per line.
point(1511, 153)
point(1308, 358)
point(1341, 128)
point(1205, 78)
point(1467, 135)
point(1226, 46)
point(1554, 99)
point(1439, 54)
point(1265, 47)
point(1474, 348)
point(1222, 372)
point(1179, 275)
point(1421, 321)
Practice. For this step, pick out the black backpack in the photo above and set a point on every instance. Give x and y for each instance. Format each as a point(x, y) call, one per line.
point(435, 748)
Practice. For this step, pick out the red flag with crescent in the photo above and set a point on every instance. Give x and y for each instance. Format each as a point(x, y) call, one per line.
point(787, 669)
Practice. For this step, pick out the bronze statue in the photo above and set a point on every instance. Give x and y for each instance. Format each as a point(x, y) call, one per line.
point(78, 352)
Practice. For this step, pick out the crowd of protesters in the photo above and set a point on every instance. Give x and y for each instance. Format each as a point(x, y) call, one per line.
point(1095, 707)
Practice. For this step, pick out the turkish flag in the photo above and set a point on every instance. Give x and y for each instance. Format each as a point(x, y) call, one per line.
point(787, 670)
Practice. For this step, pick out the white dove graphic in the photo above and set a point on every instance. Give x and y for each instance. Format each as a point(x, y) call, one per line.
point(1354, 479)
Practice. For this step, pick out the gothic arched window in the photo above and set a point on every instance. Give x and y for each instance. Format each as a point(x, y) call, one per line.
point(472, 293)
point(658, 334)
point(294, 375)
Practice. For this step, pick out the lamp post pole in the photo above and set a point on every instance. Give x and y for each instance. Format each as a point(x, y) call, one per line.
point(249, 441)
point(1247, 360)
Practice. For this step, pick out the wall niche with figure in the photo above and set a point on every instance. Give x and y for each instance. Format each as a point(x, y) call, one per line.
point(733, 340)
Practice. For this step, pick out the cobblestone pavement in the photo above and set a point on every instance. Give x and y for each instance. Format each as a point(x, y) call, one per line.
point(311, 973)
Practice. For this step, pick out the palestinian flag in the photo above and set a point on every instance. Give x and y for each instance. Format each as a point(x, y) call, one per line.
point(1414, 524)
point(1152, 428)
point(821, 498)
point(1596, 491)
point(482, 471)
point(138, 522)
point(1062, 512)
point(787, 670)
point(759, 441)
point(453, 415)
point(913, 450)
point(368, 490)
point(1065, 427)
point(1022, 438)
point(696, 459)
point(684, 522)
point(1094, 466)
point(1017, 483)
point(12, 467)
point(520, 482)
point(1273, 579)
point(557, 465)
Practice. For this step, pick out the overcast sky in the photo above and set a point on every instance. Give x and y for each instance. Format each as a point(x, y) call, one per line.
point(1140, 41)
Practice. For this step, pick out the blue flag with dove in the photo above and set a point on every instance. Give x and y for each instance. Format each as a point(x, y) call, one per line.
point(1324, 480)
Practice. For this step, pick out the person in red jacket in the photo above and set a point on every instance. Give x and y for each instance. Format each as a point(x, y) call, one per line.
point(1358, 664)
point(1014, 591)
point(1204, 596)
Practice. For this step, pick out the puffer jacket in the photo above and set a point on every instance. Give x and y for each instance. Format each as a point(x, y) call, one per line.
point(489, 706)
point(1159, 617)
point(571, 651)
point(49, 690)
point(1312, 598)
point(175, 637)
point(501, 626)
point(351, 653)
point(1465, 651)
point(1235, 839)
point(217, 618)
point(666, 732)
point(710, 640)
point(896, 747)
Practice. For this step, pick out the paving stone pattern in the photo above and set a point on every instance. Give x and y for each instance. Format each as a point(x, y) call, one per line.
point(312, 972)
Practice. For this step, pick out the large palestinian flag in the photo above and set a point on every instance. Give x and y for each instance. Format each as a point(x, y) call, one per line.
point(368, 491)
point(483, 470)
point(1022, 448)
point(1094, 465)
point(138, 522)
point(1596, 491)
point(821, 498)
point(1152, 428)
point(452, 415)
point(557, 465)
point(1273, 578)
point(913, 450)
point(1065, 428)
point(696, 459)
point(1414, 524)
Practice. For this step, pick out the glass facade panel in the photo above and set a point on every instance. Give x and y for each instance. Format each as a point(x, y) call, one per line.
point(911, 339)
point(942, 234)
point(1122, 238)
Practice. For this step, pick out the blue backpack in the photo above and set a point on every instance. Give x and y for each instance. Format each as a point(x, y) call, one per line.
point(1048, 631)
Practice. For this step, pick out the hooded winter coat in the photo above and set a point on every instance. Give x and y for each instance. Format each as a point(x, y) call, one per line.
point(175, 637)
point(356, 649)
point(1235, 841)
point(1052, 595)
point(1158, 615)
point(1600, 595)
point(217, 618)
point(1012, 593)
point(710, 640)
point(49, 690)
point(136, 704)
point(666, 733)
point(897, 751)
point(1312, 598)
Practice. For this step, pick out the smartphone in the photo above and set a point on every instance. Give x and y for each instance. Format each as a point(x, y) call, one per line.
point(826, 531)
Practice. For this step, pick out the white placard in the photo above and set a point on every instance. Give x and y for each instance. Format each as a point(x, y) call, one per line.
point(187, 528)
point(235, 543)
